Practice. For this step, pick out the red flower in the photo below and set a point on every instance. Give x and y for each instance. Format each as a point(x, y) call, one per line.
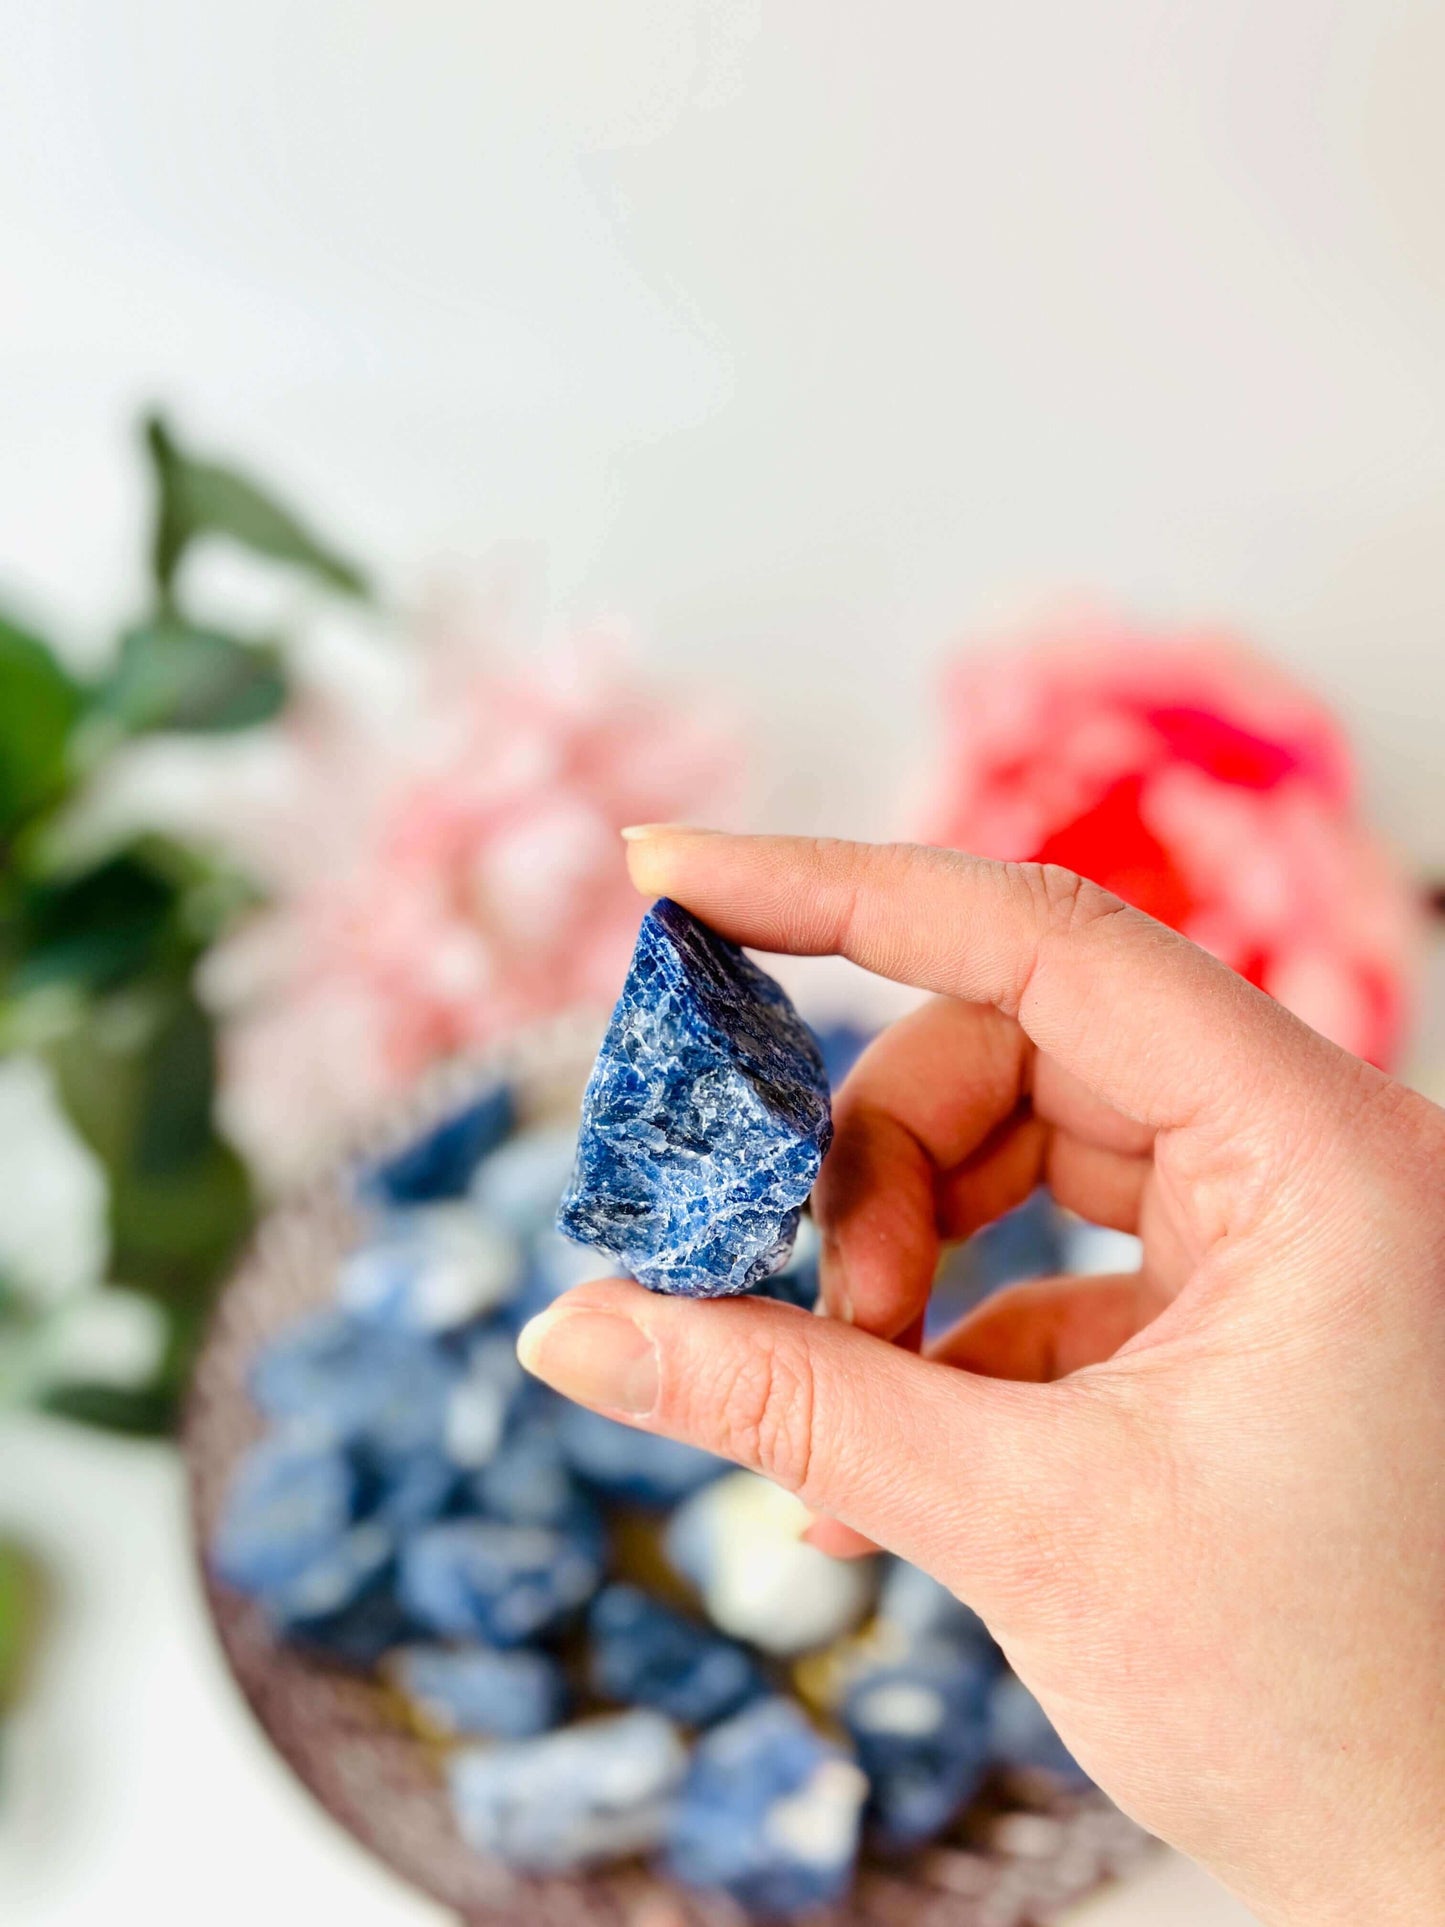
point(1200, 783)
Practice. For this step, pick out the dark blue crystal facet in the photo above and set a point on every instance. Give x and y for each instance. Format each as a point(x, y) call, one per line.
point(705, 1119)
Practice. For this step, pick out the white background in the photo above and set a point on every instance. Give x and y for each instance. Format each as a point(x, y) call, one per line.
point(808, 337)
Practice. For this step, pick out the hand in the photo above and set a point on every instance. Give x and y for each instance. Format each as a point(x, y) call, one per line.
point(1202, 1508)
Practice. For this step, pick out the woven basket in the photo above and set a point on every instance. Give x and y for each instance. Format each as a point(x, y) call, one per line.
point(1022, 1855)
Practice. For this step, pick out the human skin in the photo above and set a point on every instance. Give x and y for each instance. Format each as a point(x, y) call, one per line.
point(1202, 1507)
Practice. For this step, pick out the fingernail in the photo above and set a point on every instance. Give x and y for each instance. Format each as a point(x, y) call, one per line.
point(806, 1531)
point(597, 1357)
point(833, 1279)
point(639, 832)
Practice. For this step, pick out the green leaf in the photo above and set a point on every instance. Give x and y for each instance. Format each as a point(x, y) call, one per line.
point(196, 498)
point(22, 1606)
point(175, 1233)
point(174, 675)
point(147, 1411)
point(136, 1078)
point(95, 930)
point(39, 704)
point(179, 1083)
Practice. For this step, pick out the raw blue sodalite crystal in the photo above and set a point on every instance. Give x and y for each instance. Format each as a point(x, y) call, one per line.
point(481, 1579)
point(920, 1724)
point(480, 1690)
point(769, 1812)
point(288, 1505)
point(592, 1793)
point(705, 1119)
point(645, 1654)
point(442, 1163)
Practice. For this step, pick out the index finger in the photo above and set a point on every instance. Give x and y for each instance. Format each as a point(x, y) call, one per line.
point(1149, 1022)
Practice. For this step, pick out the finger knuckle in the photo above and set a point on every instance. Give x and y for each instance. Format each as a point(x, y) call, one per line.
point(1064, 901)
point(768, 1412)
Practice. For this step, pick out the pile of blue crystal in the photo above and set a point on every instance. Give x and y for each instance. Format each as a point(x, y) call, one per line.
point(619, 1645)
point(705, 1120)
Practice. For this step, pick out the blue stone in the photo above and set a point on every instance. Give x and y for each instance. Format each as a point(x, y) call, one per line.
point(841, 1044)
point(521, 1185)
point(344, 1604)
point(705, 1119)
point(404, 1489)
point(489, 1392)
point(530, 1483)
point(591, 1793)
point(443, 1162)
point(477, 1690)
point(918, 1610)
point(344, 1379)
point(644, 1654)
point(921, 1727)
point(288, 1505)
point(430, 1269)
point(627, 1464)
point(553, 1266)
point(501, 1584)
point(769, 1812)
point(1022, 1735)
point(1027, 1242)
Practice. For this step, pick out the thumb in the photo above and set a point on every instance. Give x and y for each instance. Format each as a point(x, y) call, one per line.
point(975, 1479)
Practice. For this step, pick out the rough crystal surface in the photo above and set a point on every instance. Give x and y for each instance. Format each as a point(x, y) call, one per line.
point(920, 1724)
point(479, 1690)
point(769, 1812)
point(645, 1654)
point(289, 1505)
point(705, 1119)
point(592, 1793)
point(501, 1584)
point(442, 1163)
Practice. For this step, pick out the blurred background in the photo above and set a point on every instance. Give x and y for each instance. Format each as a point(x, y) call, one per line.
point(560, 416)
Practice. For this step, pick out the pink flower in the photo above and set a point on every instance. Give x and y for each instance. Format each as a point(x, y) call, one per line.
point(442, 880)
point(1200, 783)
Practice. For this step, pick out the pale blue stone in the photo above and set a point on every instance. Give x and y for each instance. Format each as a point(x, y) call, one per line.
point(553, 1266)
point(1027, 1242)
point(589, 1794)
point(529, 1482)
point(502, 1584)
point(482, 1692)
point(705, 1120)
point(342, 1378)
point(344, 1603)
point(841, 1045)
point(769, 1813)
point(483, 1399)
point(1021, 1734)
point(288, 1504)
point(645, 1654)
point(443, 1161)
point(920, 1724)
point(521, 1184)
point(921, 1610)
point(431, 1269)
point(624, 1463)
